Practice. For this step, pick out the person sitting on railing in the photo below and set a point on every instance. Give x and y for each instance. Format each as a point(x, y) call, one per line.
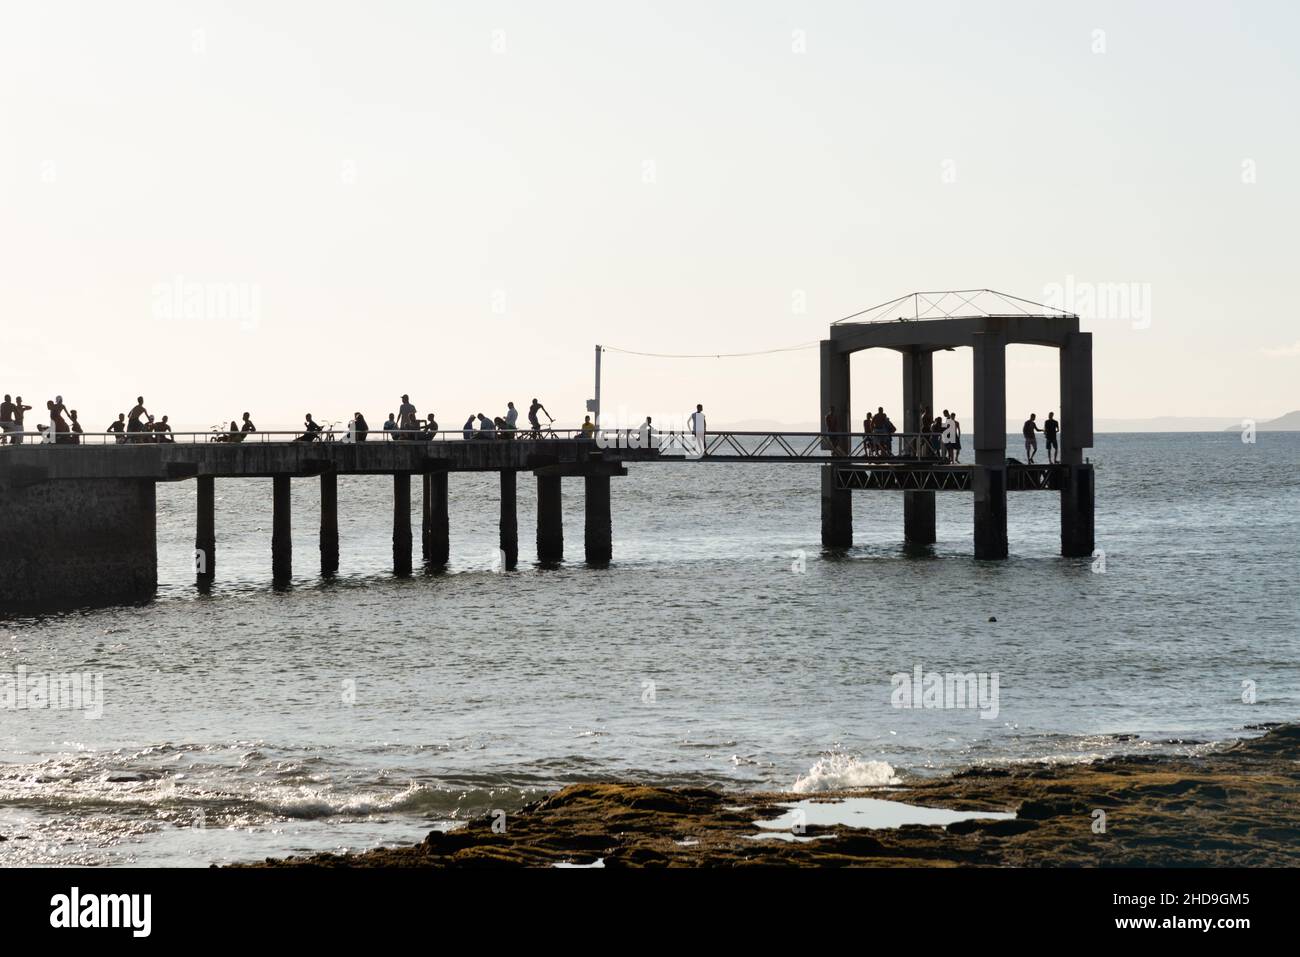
point(430, 429)
point(499, 424)
point(311, 433)
point(162, 431)
point(588, 428)
point(467, 430)
point(248, 425)
point(57, 423)
point(390, 427)
point(118, 428)
point(360, 428)
point(76, 430)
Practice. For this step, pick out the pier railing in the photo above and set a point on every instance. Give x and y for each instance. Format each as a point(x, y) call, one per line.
point(720, 445)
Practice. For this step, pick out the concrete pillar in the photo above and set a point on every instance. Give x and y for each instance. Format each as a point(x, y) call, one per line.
point(1076, 397)
point(329, 522)
point(837, 512)
point(550, 520)
point(837, 506)
point(834, 388)
point(918, 399)
point(1077, 495)
point(990, 478)
point(401, 523)
point(599, 535)
point(1077, 533)
point(205, 531)
point(509, 524)
point(77, 542)
point(426, 518)
point(281, 530)
point(990, 487)
point(435, 507)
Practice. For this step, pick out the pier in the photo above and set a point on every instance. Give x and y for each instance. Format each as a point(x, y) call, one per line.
point(80, 523)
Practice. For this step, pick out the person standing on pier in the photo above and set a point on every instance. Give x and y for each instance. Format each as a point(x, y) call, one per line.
point(19, 409)
point(6, 418)
point(1031, 440)
point(77, 431)
point(949, 436)
point(406, 418)
point(1050, 428)
point(956, 440)
point(512, 416)
point(134, 417)
point(696, 423)
point(832, 428)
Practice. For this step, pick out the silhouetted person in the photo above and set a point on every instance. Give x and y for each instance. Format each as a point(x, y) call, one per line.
point(311, 430)
point(75, 437)
point(118, 427)
point(1050, 429)
point(532, 415)
point(512, 416)
point(390, 426)
point(7, 423)
point(137, 413)
point(406, 417)
point(486, 430)
point(696, 422)
point(248, 425)
point(162, 431)
point(19, 410)
point(1031, 440)
point(646, 433)
point(832, 427)
point(431, 428)
point(467, 430)
point(360, 429)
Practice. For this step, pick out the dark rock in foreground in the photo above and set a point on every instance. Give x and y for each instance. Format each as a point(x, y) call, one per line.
point(1236, 806)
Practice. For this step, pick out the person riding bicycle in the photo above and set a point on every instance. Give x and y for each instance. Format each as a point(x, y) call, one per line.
point(532, 415)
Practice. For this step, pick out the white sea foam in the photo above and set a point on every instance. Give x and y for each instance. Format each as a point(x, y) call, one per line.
point(839, 771)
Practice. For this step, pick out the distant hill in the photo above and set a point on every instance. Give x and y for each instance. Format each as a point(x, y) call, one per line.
point(1283, 423)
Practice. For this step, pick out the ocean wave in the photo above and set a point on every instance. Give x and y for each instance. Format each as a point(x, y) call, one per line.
point(840, 771)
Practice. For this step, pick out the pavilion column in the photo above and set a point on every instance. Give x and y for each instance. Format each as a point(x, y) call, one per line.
point(281, 530)
point(918, 404)
point(1077, 502)
point(205, 532)
point(550, 520)
point(509, 524)
point(329, 522)
point(401, 523)
point(990, 477)
point(837, 504)
point(436, 520)
point(599, 536)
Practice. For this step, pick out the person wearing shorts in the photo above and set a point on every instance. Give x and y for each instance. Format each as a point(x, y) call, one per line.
point(1050, 429)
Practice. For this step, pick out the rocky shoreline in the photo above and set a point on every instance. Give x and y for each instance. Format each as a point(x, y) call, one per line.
point(1237, 805)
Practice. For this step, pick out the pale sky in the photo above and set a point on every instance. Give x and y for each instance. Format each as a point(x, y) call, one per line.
point(459, 200)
